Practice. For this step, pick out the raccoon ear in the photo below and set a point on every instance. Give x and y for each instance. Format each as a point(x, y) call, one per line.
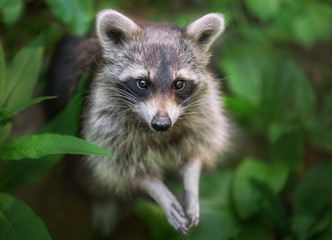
point(113, 28)
point(206, 29)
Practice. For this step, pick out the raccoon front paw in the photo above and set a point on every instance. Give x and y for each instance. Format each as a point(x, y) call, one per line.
point(192, 209)
point(177, 218)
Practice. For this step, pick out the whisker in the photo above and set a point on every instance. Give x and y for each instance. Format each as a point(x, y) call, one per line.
point(192, 96)
point(124, 93)
point(134, 94)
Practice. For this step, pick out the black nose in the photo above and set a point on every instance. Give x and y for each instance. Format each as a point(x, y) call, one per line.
point(161, 123)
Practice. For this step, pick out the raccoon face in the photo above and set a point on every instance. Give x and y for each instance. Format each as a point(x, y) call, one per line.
point(159, 105)
point(158, 94)
point(156, 69)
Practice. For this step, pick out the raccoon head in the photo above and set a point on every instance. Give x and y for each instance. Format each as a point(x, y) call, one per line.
point(157, 70)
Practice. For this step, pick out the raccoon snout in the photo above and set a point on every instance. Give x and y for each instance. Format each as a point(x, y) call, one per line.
point(161, 123)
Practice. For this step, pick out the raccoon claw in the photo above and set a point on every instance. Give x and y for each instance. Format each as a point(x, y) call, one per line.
point(192, 211)
point(177, 218)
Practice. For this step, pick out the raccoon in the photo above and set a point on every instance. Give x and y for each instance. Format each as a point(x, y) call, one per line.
point(153, 104)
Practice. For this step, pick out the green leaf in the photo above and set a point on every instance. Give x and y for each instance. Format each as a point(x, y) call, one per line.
point(326, 235)
point(312, 24)
point(304, 96)
point(277, 90)
point(76, 14)
point(151, 214)
point(303, 30)
point(326, 111)
point(288, 149)
point(271, 205)
point(7, 113)
point(243, 68)
point(2, 74)
point(11, 10)
point(22, 73)
point(311, 201)
point(306, 226)
point(263, 9)
point(37, 146)
point(244, 194)
point(18, 222)
point(16, 173)
point(215, 224)
point(215, 189)
point(313, 192)
point(239, 107)
point(278, 130)
point(254, 230)
point(322, 138)
point(4, 132)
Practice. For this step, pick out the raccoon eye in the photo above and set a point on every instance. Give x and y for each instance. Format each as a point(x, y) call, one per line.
point(179, 84)
point(142, 84)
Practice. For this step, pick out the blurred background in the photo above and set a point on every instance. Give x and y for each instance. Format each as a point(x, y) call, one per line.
point(274, 61)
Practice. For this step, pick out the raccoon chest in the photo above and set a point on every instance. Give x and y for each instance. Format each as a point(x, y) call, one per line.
point(160, 160)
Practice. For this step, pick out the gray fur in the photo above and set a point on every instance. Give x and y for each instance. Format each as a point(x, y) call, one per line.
point(119, 123)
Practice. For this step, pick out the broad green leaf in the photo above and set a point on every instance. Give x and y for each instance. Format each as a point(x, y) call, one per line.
point(245, 195)
point(22, 73)
point(7, 113)
point(277, 90)
point(11, 10)
point(326, 111)
point(264, 9)
point(5, 131)
point(320, 129)
point(288, 149)
point(322, 138)
point(326, 235)
point(215, 189)
point(254, 230)
point(314, 192)
point(320, 14)
point(238, 106)
point(242, 65)
point(151, 214)
point(311, 201)
point(2, 74)
point(76, 14)
point(301, 225)
point(18, 222)
point(217, 224)
point(37, 146)
point(312, 24)
point(271, 205)
point(16, 173)
point(303, 30)
point(307, 226)
point(304, 96)
point(277, 130)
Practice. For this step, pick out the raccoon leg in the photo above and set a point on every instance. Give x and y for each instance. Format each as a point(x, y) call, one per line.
point(191, 191)
point(168, 202)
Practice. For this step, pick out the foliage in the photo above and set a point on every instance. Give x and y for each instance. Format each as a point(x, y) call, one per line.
point(17, 82)
point(275, 62)
point(17, 221)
